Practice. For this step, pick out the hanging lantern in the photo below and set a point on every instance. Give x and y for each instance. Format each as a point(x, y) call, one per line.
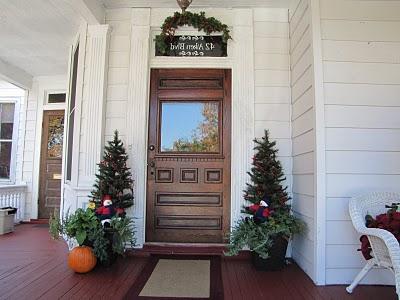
point(184, 4)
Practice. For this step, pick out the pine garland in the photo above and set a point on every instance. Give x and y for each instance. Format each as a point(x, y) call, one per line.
point(198, 21)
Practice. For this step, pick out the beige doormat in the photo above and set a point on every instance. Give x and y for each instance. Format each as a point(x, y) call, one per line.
point(179, 279)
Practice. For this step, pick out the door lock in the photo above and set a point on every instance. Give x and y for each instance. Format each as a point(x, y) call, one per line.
point(152, 166)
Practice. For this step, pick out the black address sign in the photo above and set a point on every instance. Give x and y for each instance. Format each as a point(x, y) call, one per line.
point(197, 46)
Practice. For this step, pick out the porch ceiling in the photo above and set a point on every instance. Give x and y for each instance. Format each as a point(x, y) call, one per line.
point(35, 34)
point(197, 3)
point(6, 85)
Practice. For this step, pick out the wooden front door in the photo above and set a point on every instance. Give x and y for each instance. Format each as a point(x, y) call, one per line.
point(188, 176)
point(51, 163)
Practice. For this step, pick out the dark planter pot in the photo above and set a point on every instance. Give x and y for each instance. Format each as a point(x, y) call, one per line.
point(112, 257)
point(277, 259)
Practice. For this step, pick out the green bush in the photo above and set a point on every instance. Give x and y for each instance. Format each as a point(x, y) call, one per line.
point(86, 228)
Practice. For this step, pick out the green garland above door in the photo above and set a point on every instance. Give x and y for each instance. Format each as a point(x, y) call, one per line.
point(198, 21)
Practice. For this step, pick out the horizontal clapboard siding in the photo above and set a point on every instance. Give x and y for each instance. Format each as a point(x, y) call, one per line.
point(118, 71)
point(373, 31)
point(362, 105)
point(272, 81)
point(362, 94)
point(303, 133)
point(364, 51)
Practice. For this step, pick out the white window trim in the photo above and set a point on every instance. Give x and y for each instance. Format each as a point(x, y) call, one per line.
point(14, 142)
point(54, 106)
point(79, 41)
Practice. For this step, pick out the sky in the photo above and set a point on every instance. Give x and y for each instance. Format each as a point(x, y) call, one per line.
point(179, 120)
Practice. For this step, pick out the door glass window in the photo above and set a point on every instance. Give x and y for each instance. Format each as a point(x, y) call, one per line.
point(55, 137)
point(190, 127)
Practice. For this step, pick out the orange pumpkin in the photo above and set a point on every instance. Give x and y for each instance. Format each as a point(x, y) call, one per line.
point(81, 259)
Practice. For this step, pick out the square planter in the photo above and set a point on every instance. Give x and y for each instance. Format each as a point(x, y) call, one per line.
point(7, 220)
point(277, 259)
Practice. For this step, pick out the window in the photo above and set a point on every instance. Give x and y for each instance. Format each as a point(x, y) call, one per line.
point(190, 126)
point(7, 132)
point(53, 98)
point(71, 113)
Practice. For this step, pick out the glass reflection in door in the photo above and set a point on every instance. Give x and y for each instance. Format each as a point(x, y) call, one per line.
point(190, 127)
point(55, 137)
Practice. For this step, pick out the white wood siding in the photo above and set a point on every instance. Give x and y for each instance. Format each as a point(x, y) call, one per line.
point(362, 105)
point(118, 71)
point(272, 81)
point(303, 133)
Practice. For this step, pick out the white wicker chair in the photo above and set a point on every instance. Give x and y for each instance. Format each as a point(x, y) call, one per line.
point(385, 247)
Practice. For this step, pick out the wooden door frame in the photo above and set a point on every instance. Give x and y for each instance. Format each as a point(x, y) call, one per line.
point(227, 215)
point(45, 87)
point(43, 147)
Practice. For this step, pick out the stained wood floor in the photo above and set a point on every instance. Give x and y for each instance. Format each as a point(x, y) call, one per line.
point(32, 266)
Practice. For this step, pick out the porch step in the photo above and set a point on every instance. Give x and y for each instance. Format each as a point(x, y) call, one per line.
point(184, 249)
point(36, 221)
point(181, 249)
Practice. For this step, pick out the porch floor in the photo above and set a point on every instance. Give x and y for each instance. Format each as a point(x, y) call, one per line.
point(33, 266)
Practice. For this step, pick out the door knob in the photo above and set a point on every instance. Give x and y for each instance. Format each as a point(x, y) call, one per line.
point(152, 147)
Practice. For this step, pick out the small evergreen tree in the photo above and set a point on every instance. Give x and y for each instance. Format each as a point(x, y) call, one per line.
point(114, 177)
point(266, 177)
point(267, 224)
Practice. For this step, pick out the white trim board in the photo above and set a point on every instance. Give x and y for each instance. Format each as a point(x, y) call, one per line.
point(320, 147)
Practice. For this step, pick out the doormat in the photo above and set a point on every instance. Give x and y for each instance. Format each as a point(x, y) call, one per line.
point(179, 277)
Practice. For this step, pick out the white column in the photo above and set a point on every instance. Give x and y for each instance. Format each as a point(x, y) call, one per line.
point(94, 98)
point(242, 106)
point(137, 112)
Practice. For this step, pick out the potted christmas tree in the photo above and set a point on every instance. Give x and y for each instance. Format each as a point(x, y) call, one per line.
point(113, 190)
point(271, 224)
point(114, 177)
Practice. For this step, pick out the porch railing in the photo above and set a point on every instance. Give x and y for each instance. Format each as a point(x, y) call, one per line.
point(14, 196)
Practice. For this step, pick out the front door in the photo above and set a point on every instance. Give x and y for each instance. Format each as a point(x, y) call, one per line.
point(51, 163)
point(188, 176)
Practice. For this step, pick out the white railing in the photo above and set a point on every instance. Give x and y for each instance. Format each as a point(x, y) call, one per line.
point(14, 196)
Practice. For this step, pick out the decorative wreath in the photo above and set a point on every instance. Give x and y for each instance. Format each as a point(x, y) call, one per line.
point(199, 21)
